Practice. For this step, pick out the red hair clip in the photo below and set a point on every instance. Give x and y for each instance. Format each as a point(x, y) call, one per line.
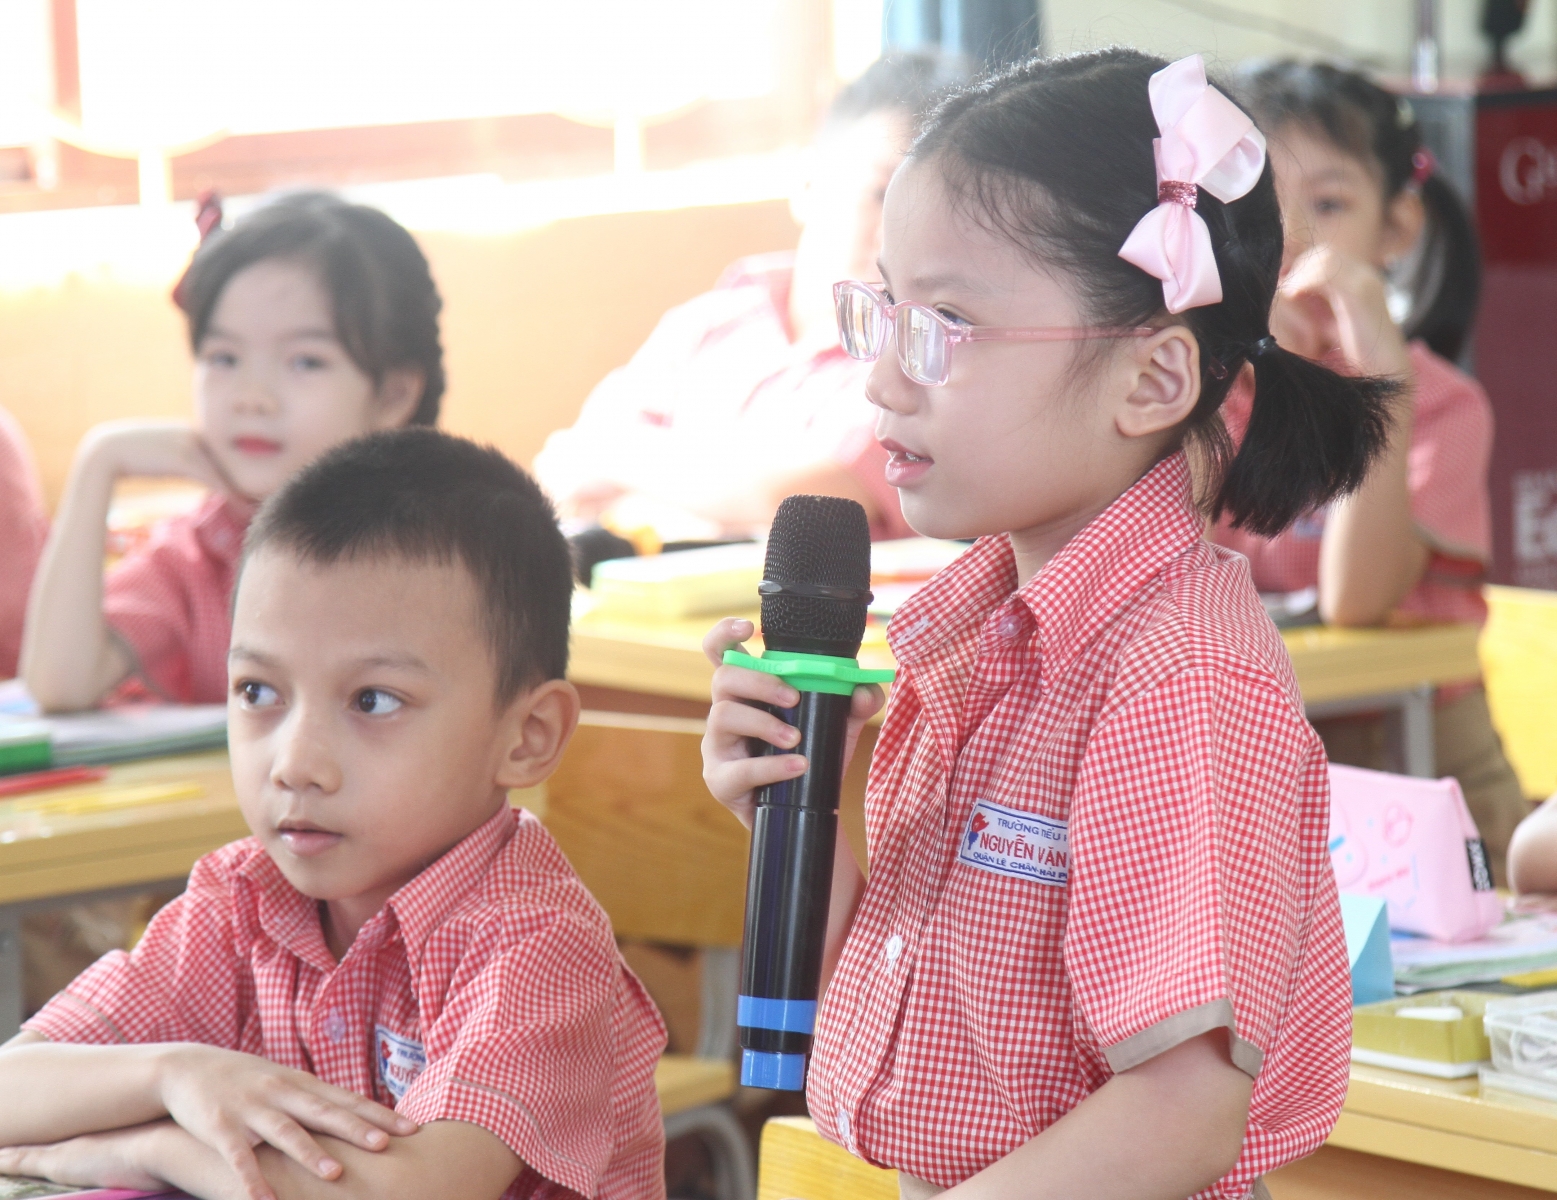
point(1423, 164)
point(208, 219)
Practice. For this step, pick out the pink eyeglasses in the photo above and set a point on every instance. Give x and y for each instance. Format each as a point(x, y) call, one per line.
point(925, 338)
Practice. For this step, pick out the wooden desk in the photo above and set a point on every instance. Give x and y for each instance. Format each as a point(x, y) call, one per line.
point(48, 861)
point(1338, 670)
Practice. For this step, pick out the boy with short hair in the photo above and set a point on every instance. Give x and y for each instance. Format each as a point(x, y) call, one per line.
point(392, 929)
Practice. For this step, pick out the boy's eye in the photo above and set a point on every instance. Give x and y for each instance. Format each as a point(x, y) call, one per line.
point(257, 695)
point(220, 358)
point(375, 702)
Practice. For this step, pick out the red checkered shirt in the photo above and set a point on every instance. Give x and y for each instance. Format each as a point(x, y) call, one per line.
point(1447, 465)
point(1097, 823)
point(488, 990)
point(170, 601)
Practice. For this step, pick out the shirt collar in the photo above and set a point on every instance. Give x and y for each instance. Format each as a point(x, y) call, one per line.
point(1078, 591)
point(291, 919)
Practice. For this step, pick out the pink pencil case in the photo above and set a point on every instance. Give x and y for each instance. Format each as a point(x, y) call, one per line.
point(1412, 843)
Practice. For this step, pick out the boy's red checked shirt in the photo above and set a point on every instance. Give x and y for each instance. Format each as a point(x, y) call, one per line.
point(488, 990)
point(1097, 822)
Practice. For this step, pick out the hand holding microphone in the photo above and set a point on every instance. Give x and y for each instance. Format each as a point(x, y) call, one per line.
point(814, 596)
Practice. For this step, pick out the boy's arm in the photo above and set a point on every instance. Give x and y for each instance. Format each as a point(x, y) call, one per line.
point(69, 658)
point(59, 1100)
point(1163, 1130)
point(445, 1159)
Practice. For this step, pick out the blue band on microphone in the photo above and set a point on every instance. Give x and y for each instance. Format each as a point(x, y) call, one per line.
point(778, 1072)
point(791, 1016)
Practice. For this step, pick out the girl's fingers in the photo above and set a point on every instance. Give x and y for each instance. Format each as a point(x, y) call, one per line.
point(757, 687)
point(732, 780)
point(730, 723)
point(727, 635)
point(866, 701)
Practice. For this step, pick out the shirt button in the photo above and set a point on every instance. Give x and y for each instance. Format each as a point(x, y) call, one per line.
point(894, 948)
point(335, 1026)
point(1010, 625)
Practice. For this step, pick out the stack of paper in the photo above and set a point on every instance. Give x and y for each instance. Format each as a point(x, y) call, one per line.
point(1520, 944)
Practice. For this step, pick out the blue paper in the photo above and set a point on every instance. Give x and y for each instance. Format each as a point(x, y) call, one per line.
point(1366, 920)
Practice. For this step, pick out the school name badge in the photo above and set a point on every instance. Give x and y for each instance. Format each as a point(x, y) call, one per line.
point(400, 1061)
point(1021, 844)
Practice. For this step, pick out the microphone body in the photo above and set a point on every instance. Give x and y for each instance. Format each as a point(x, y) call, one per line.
point(814, 600)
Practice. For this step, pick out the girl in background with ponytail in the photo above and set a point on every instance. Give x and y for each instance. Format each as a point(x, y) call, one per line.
point(1099, 952)
point(1380, 277)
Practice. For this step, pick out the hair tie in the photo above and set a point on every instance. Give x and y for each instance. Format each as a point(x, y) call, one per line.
point(1207, 142)
point(1423, 164)
point(208, 219)
point(1265, 345)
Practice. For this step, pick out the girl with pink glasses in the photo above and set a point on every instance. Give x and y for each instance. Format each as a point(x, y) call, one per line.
point(1099, 952)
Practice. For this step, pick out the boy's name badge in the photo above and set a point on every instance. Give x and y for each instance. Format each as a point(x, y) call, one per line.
point(400, 1061)
point(1010, 842)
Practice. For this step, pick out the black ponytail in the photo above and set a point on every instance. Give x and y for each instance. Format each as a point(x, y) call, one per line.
point(1380, 130)
point(1057, 156)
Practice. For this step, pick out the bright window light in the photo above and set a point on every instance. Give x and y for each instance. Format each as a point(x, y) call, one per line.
point(164, 71)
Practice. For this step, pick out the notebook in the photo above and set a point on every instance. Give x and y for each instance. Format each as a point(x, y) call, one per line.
point(109, 735)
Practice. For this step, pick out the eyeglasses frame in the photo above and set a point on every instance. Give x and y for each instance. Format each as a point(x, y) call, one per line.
point(956, 333)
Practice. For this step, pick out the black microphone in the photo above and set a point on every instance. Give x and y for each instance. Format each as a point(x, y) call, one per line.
point(815, 591)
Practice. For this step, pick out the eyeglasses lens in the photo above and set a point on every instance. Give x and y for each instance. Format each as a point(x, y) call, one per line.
point(860, 323)
point(921, 346)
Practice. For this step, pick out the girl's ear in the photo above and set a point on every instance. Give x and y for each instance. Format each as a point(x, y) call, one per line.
point(1165, 383)
point(397, 397)
point(1404, 218)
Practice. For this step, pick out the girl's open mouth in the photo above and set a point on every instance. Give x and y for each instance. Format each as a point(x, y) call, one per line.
point(256, 445)
point(903, 465)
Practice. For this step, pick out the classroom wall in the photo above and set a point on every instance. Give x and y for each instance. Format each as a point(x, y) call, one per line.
point(533, 318)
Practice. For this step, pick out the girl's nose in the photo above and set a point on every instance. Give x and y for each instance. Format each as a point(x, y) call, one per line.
point(304, 760)
point(887, 387)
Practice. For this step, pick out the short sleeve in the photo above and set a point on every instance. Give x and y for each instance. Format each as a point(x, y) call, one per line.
point(181, 983)
point(1197, 834)
point(1451, 454)
point(551, 1046)
point(146, 604)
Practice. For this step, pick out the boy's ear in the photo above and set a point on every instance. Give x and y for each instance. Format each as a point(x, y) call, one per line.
point(1165, 383)
point(540, 723)
point(397, 397)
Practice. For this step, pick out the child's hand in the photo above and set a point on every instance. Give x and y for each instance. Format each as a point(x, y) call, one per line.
point(155, 449)
point(732, 773)
point(232, 1102)
point(1330, 301)
point(115, 1159)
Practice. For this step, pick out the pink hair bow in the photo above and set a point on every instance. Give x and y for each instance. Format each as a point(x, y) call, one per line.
point(1207, 141)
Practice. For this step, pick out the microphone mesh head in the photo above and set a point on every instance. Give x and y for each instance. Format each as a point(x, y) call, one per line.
point(824, 541)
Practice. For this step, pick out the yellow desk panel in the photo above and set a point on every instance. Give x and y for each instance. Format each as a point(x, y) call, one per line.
point(1448, 1123)
point(666, 657)
point(60, 855)
point(796, 1161)
point(1343, 664)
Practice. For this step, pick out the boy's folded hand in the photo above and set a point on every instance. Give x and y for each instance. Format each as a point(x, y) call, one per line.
point(232, 1102)
point(113, 1159)
point(733, 774)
